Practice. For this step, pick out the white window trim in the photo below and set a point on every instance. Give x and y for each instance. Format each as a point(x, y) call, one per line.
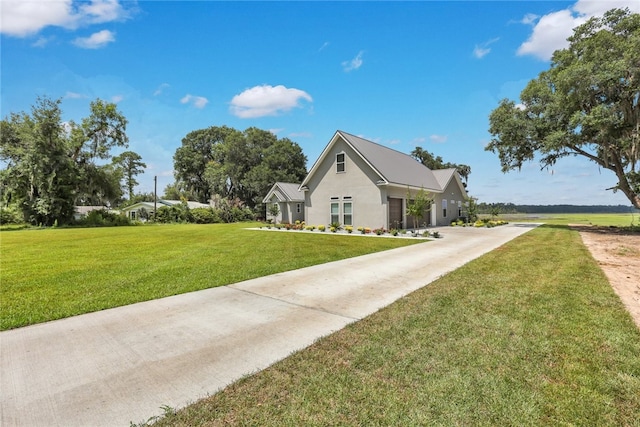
point(343, 162)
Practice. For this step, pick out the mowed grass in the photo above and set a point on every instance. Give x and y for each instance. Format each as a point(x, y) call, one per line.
point(598, 219)
point(56, 273)
point(529, 334)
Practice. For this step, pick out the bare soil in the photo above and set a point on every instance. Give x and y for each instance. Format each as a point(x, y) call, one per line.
point(618, 253)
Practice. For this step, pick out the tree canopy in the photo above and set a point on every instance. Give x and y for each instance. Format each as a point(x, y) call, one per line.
point(231, 164)
point(50, 165)
point(435, 162)
point(130, 164)
point(587, 104)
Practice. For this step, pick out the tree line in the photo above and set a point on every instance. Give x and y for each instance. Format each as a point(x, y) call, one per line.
point(50, 166)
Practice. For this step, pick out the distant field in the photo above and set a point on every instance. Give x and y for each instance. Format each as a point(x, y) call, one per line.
point(605, 220)
point(54, 273)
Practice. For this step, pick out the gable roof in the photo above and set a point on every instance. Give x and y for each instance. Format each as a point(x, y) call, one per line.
point(393, 167)
point(285, 192)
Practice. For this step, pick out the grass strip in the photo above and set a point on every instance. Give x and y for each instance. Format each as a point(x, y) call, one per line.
point(56, 273)
point(529, 334)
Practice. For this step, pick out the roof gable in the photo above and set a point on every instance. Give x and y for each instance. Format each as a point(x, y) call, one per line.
point(393, 167)
point(285, 192)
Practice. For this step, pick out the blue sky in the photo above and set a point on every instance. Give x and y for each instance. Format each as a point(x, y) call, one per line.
point(403, 74)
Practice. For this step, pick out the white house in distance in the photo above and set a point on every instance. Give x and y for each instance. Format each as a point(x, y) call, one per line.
point(134, 211)
point(360, 183)
point(290, 201)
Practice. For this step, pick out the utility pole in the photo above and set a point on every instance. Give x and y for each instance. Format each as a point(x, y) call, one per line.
point(155, 196)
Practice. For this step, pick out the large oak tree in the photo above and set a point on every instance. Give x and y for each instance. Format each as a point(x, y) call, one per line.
point(587, 104)
point(235, 165)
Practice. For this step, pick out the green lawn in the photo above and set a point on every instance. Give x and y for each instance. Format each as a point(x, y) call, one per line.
point(612, 220)
point(530, 334)
point(55, 273)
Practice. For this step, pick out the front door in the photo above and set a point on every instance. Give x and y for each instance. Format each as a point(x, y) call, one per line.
point(395, 213)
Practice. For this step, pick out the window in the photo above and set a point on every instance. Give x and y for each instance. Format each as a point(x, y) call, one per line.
point(459, 208)
point(347, 213)
point(444, 208)
point(299, 207)
point(340, 162)
point(335, 212)
point(132, 214)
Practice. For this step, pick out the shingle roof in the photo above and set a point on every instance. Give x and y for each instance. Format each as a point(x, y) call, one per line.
point(396, 167)
point(289, 190)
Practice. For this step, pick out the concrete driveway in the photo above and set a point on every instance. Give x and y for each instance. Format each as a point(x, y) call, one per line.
point(122, 365)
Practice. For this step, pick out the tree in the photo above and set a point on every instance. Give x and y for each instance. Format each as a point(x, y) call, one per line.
point(418, 206)
point(131, 164)
point(587, 104)
point(434, 163)
point(191, 159)
point(236, 165)
point(51, 165)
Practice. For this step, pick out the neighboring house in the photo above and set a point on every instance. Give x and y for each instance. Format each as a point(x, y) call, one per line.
point(360, 183)
point(141, 210)
point(82, 211)
point(290, 201)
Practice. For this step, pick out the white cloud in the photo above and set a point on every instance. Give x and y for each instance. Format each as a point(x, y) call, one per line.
point(196, 101)
point(483, 48)
point(117, 98)
point(353, 64)
point(438, 139)
point(22, 18)
point(161, 89)
point(95, 40)
point(74, 95)
point(551, 31)
point(323, 47)
point(267, 100)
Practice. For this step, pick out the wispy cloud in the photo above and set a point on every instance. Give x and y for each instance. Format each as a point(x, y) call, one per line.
point(266, 100)
point(74, 95)
point(354, 63)
point(117, 98)
point(21, 18)
point(95, 40)
point(161, 89)
point(438, 139)
point(550, 32)
point(323, 47)
point(197, 101)
point(482, 49)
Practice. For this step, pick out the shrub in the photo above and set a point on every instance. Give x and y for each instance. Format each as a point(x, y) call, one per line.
point(322, 228)
point(205, 216)
point(11, 215)
point(394, 232)
point(103, 218)
point(379, 231)
point(349, 229)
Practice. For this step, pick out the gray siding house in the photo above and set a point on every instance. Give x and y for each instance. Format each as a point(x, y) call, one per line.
point(290, 202)
point(360, 183)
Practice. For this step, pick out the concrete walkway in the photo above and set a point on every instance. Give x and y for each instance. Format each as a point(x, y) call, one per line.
point(122, 365)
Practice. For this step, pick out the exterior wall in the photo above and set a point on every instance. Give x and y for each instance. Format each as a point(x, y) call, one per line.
point(454, 197)
point(358, 181)
point(288, 211)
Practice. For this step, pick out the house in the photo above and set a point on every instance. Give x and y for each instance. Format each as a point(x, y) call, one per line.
point(142, 210)
point(80, 212)
point(360, 183)
point(289, 200)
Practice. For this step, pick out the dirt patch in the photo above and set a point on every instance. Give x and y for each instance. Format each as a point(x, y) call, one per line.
point(618, 254)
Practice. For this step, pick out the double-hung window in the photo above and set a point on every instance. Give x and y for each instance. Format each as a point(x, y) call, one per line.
point(335, 212)
point(340, 162)
point(347, 213)
point(444, 208)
